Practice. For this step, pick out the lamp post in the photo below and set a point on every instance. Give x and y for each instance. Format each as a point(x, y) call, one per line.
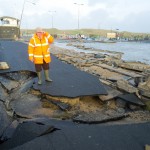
point(52, 16)
point(22, 14)
point(78, 13)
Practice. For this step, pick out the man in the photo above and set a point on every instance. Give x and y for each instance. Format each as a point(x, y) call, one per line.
point(39, 53)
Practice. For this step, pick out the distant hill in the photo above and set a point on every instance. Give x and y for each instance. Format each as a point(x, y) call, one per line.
point(92, 32)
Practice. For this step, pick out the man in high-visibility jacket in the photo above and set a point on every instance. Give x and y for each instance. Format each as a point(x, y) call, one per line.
point(39, 52)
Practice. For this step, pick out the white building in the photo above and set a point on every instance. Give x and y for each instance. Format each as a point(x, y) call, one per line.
point(9, 21)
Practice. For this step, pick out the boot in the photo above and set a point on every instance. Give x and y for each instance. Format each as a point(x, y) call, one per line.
point(39, 78)
point(46, 72)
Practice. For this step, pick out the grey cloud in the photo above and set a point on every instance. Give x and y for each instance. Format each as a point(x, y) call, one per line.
point(100, 18)
point(137, 22)
point(94, 2)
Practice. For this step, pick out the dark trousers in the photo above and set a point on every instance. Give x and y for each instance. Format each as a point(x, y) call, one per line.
point(38, 67)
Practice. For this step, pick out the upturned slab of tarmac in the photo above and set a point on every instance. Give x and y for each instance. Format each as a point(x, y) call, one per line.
point(69, 136)
point(68, 81)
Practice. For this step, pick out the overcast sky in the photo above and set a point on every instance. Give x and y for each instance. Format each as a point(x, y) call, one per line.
point(125, 15)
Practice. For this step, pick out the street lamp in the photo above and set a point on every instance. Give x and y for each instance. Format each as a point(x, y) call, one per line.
point(22, 14)
point(52, 16)
point(78, 13)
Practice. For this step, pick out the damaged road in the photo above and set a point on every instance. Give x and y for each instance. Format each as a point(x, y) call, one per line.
point(31, 115)
point(55, 135)
point(66, 77)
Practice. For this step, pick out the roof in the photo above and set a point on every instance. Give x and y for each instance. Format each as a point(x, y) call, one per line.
point(8, 17)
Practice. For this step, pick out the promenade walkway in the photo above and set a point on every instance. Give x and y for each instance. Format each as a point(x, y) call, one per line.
point(68, 81)
point(52, 134)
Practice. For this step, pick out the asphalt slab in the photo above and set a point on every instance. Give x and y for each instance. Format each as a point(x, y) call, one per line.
point(69, 136)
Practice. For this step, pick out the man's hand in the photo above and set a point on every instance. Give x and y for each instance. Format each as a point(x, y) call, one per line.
point(31, 60)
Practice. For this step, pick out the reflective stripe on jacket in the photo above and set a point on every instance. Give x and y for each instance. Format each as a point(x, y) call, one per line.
point(38, 50)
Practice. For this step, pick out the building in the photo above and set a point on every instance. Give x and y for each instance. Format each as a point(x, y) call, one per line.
point(9, 28)
point(111, 35)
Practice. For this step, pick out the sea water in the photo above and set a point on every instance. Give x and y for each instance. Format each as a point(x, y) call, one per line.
point(132, 51)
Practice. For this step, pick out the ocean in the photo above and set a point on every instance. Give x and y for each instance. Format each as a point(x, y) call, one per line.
point(132, 51)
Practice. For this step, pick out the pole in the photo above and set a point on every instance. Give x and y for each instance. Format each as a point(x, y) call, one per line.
point(21, 19)
point(78, 14)
point(22, 15)
point(52, 21)
point(52, 17)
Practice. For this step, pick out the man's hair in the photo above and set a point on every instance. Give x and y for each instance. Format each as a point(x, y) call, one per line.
point(39, 29)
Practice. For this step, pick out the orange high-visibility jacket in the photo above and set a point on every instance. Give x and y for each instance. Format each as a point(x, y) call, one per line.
point(39, 50)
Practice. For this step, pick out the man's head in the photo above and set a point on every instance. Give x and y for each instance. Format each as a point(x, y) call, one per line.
point(39, 29)
point(39, 32)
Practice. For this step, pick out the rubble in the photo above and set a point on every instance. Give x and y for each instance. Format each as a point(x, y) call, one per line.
point(4, 65)
point(131, 77)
